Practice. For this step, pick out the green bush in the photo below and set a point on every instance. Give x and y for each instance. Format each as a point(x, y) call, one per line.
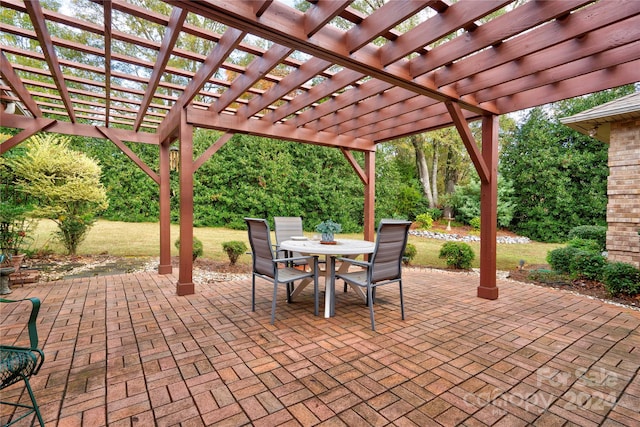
point(457, 255)
point(425, 221)
point(621, 278)
point(435, 213)
point(197, 247)
point(597, 233)
point(234, 249)
point(410, 252)
point(586, 245)
point(560, 259)
point(587, 265)
point(475, 222)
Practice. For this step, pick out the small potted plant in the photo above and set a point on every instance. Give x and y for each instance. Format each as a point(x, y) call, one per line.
point(328, 228)
point(14, 234)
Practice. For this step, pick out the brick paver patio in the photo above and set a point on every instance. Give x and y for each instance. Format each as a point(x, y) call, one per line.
point(126, 351)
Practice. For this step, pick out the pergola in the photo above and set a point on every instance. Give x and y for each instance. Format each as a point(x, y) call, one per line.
point(329, 75)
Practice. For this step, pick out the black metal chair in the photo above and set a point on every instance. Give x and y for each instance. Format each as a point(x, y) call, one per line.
point(277, 270)
point(20, 363)
point(384, 265)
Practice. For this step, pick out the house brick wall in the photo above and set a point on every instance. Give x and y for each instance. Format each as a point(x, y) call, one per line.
point(623, 190)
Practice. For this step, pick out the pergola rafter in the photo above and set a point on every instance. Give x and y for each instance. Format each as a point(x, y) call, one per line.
point(324, 74)
point(170, 37)
point(37, 19)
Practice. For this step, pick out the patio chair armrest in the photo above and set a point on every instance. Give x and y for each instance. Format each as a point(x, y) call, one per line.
point(35, 308)
point(354, 262)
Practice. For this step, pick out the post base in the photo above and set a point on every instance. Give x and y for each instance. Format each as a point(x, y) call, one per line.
point(165, 269)
point(185, 289)
point(488, 293)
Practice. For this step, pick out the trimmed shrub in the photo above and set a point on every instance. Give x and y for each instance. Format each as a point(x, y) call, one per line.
point(560, 259)
point(587, 265)
point(590, 232)
point(475, 222)
point(234, 249)
point(621, 278)
point(586, 245)
point(197, 249)
point(425, 221)
point(457, 255)
point(410, 252)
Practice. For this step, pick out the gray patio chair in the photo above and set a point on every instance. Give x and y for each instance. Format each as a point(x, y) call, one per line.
point(275, 269)
point(286, 228)
point(20, 363)
point(384, 265)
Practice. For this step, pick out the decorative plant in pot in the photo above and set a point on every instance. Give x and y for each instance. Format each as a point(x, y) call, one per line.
point(15, 230)
point(328, 228)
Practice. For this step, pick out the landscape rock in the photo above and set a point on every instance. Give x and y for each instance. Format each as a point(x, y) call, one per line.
point(466, 238)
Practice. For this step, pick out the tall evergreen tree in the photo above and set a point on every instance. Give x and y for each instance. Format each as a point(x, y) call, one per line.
point(559, 175)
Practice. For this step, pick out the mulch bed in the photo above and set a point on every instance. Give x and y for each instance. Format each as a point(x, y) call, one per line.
point(589, 288)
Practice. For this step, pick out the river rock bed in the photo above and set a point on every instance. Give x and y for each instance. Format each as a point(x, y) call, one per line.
point(466, 238)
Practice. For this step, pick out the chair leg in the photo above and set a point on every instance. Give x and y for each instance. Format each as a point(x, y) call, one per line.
point(289, 292)
point(315, 294)
point(36, 409)
point(273, 304)
point(253, 292)
point(401, 300)
point(30, 409)
point(370, 300)
point(373, 297)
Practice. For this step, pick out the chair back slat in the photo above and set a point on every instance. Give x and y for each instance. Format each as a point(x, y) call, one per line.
point(390, 244)
point(260, 241)
point(287, 227)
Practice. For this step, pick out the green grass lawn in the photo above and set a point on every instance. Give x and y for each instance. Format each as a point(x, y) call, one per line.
point(142, 239)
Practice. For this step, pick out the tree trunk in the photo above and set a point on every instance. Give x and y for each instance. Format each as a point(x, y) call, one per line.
point(423, 169)
point(450, 181)
point(434, 175)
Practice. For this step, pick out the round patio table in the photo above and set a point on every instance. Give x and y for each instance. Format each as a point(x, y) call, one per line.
point(348, 248)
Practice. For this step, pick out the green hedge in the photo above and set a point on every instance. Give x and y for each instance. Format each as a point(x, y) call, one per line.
point(560, 259)
point(621, 278)
point(597, 233)
point(587, 265)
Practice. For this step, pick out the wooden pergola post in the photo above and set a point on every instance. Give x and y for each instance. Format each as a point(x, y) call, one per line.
point(489, 209)
point(185, 277)
point(369, 195)
point(164, 267)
